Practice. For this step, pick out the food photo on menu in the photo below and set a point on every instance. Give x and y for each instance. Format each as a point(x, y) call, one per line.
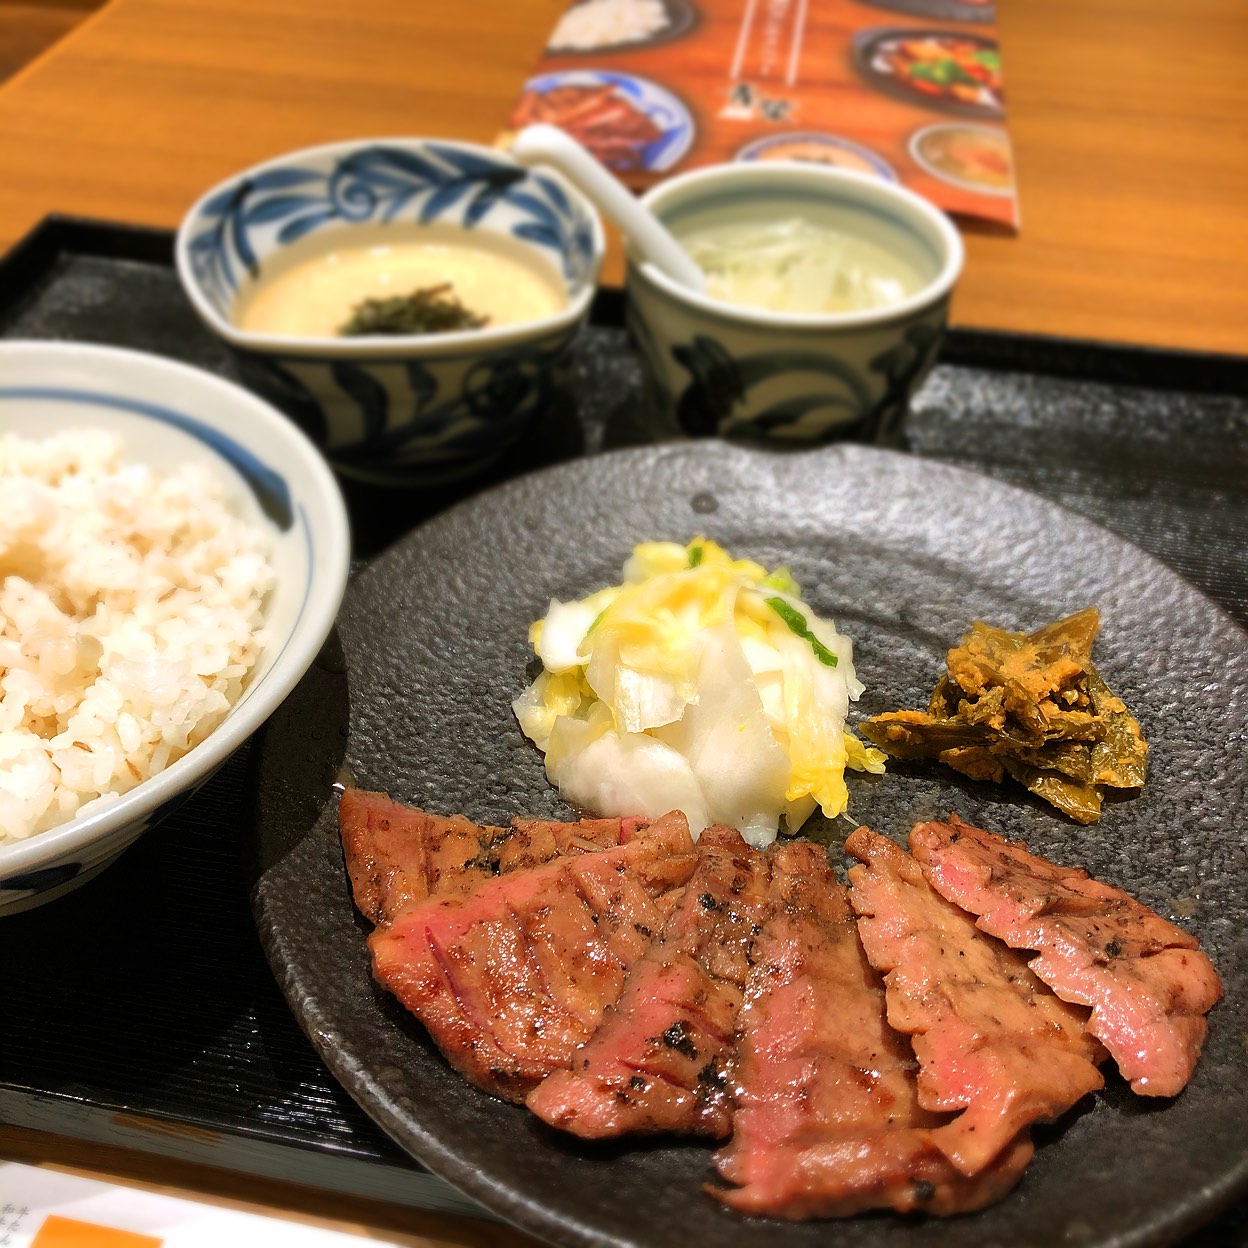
point(604, 707)
point(910, 92)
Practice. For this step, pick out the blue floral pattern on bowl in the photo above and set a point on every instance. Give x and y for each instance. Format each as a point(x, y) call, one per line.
point(846, 403)
point(262, 212)
point(449, 414)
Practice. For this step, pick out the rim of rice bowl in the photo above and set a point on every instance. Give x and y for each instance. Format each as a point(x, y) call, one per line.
point(132, 377)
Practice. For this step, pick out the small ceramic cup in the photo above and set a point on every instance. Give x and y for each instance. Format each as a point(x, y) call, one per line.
point(718, 369)
point(403, 409)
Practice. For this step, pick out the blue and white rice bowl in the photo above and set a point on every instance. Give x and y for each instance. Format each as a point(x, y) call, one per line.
point(167, 415)
point(396, 409)
point(719, 369)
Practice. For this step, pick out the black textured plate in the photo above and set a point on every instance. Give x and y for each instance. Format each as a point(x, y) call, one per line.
point(870, 47)
point(902, 553)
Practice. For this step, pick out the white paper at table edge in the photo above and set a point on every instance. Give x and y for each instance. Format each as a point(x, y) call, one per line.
point(177, 1222)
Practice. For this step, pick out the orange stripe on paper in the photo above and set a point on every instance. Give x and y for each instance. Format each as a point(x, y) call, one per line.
point(58, 1232)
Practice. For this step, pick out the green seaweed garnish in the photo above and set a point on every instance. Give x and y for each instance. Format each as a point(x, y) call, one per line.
point(431, 310)
point(799, 628)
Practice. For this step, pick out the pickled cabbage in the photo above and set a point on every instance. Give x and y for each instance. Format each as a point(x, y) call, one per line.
point(701, 683)
point(796, 265)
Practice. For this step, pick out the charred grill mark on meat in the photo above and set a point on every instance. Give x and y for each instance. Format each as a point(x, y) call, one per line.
point(515, 975)
point(827, 1121)
point(676, 1014)
point(990, 1038)
point(397, 856)
point(1147, 981)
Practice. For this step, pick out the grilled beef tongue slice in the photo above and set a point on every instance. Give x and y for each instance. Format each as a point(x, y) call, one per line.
point(991, 1039)
point(658, 1062)
point(512, 977)
point(397, 855)
point(827, 1121)
point(1147, 981)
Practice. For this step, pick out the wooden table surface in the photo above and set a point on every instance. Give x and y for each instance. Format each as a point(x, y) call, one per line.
point(1127, 116)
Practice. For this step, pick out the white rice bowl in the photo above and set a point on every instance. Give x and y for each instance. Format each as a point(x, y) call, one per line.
point(133, 663)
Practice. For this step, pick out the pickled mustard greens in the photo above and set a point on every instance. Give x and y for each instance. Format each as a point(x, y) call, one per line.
point(701, 683)
point(432, 310)
point(1027, 705)
point(801, 266)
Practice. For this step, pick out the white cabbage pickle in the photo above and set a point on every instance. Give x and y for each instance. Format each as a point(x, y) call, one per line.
point(703, 684)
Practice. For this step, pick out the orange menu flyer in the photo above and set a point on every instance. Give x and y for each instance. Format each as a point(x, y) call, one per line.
point(907, 90)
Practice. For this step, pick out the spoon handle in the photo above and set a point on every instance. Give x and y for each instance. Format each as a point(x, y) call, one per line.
point(544, 144)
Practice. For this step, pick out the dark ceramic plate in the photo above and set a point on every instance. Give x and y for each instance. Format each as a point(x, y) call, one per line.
point(413, 696)
point(681, 18)
point(869, 47)
point(939, 10)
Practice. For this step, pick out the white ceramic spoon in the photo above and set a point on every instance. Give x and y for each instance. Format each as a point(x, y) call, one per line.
point(548, 145)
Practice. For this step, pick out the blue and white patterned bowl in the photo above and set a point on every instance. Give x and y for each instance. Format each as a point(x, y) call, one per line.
point(168, 414)
point(714, 368)
point(402, 409)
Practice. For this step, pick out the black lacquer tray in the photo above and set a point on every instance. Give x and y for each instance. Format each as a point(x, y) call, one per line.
point(141, 1011)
